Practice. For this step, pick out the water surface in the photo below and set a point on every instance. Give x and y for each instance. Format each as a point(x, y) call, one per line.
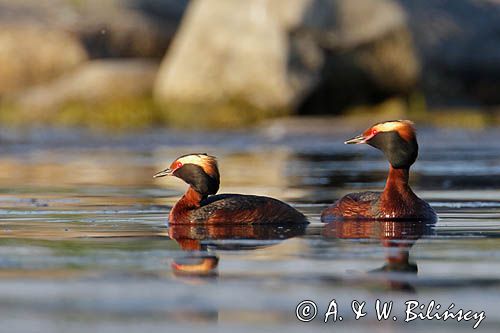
point(85, 246)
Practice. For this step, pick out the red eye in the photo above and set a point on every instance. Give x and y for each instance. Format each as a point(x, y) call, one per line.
point(374, 132)
point(176, 165)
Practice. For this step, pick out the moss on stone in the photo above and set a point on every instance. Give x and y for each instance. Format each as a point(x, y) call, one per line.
point(124, 114)
point(416, 109)
point(458, 118)
point(139, 113)
point(116, 115)
point(229, 114)
point(393, 108)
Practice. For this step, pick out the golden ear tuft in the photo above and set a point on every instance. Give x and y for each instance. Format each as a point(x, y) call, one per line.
point(207, 162)
point(405, 128)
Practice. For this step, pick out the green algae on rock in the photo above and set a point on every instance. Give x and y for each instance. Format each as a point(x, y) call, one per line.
point(229, 114)
point(123, 114)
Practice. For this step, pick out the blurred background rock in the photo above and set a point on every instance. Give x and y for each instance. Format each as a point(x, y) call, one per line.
point(131, 64)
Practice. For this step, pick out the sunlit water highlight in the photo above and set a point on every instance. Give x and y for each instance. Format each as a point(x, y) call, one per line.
point(85, 247)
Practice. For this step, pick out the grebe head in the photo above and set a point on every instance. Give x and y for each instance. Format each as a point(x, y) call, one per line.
point(198, 170)
point(396, 138)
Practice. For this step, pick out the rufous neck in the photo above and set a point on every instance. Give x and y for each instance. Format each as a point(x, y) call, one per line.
point(397, 179)
point(191, 198)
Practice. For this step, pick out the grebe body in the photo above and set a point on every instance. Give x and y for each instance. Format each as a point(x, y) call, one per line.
point(397, 140)
point(200, 204)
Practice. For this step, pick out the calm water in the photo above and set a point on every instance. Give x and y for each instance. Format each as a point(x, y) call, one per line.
point(85, 247)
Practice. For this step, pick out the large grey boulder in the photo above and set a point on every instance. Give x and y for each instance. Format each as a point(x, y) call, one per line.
point(131, 28)
point(41, 40)
point(230, 50)
point(32, 54)
point(350, 52)
point(459, 44)
point(111, 28)
point(278, 54)
point(94, 83)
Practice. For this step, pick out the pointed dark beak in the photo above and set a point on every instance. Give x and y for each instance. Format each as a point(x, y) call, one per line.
point(166, 172)
point(356, 140)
